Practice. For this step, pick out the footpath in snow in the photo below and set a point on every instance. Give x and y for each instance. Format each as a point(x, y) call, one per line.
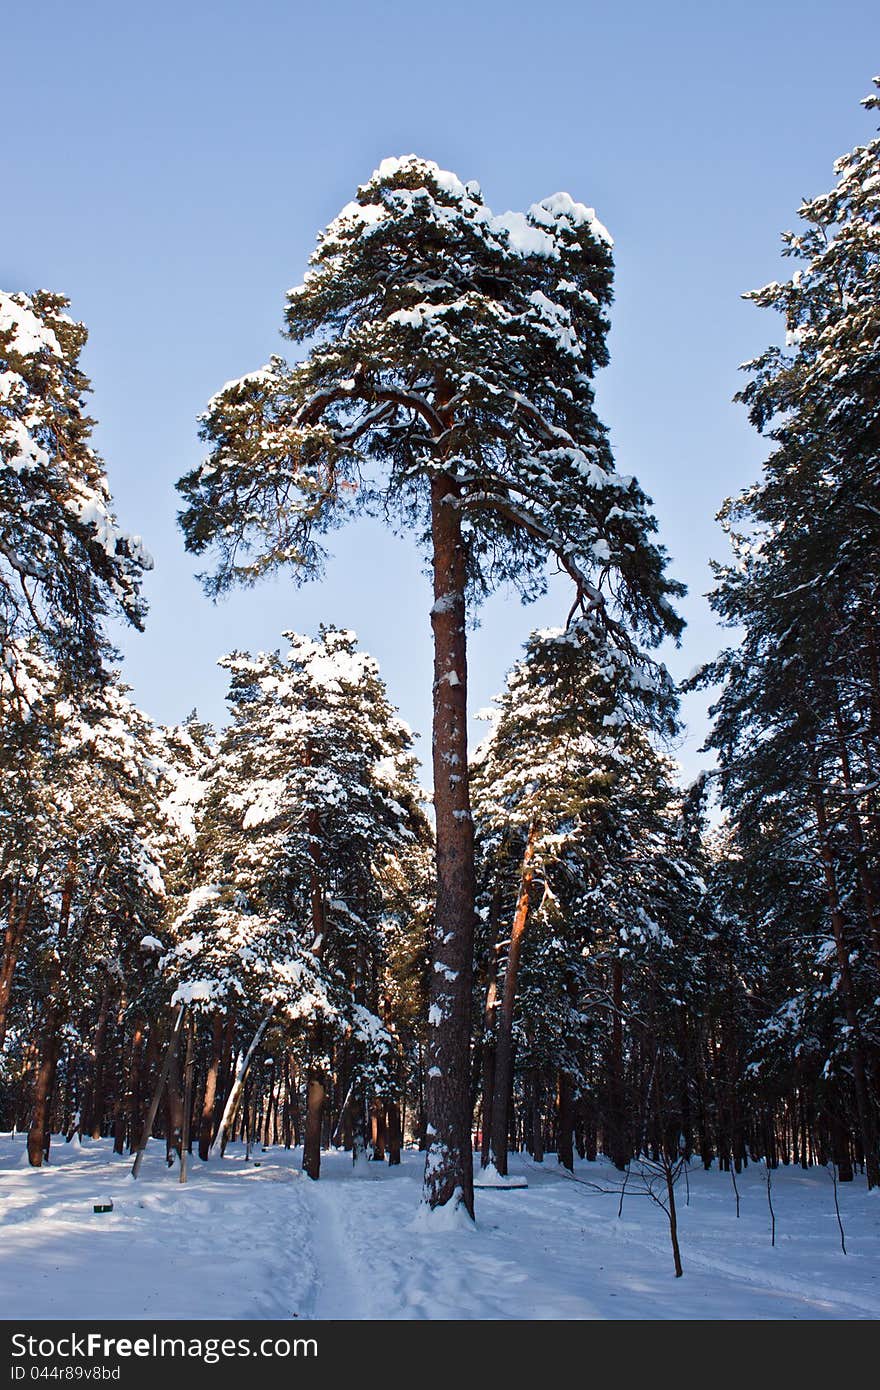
point(256, 1240)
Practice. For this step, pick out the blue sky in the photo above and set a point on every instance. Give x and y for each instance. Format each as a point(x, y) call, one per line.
point(167, 167)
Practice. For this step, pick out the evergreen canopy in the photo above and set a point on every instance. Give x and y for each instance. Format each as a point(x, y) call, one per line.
point(440, 339)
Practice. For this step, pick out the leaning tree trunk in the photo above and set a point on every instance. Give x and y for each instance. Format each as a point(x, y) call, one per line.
point(449, 1164)
point(233, 1100)
point(502, 1090)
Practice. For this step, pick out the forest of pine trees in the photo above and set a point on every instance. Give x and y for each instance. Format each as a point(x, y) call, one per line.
point(268, 931)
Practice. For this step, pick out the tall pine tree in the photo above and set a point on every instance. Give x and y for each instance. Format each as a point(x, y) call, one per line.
point(446, 383)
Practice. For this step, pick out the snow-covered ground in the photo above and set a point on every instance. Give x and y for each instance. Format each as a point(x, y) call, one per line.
point(247, 1241)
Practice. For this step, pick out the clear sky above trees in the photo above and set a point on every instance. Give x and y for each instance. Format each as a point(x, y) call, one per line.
point(171, 165)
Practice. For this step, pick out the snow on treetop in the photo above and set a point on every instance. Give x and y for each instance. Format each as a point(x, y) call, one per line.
point(249, 378)
point(449, 182)
point(527, 234)
point(523, 237)
point(561, 206)
point(29, 334)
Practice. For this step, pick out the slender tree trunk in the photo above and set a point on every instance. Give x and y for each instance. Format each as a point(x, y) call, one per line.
point(267, 1119)
point(487, 1061)
point(316, 1075)
point(620, 1149)
point(142, 1061)
point(173, 1106)
point(449, 1162)
point(840, 1149)
point(378, 1130)
point(673, 1219)
point(503, 1087)
point(206, 1127)
point(185, 1142)
point(13, 936)
point(225, 1078)
point(93, 1105)
point(537, 1118)
point(488, 1073)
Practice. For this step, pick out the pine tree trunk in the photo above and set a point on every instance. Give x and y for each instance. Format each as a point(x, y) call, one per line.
point(378, 1130)
point(395, 1133)
point(487, 1078)
point(840, 1150)
point(487, 1061)
point(848, 999)
point(860, 849)
point(185, 1137)
point(224, 1078)
point(173, 1105)
point(50, 1042)
point(206, 1127)
point(537, 1118)
point(16, 927)
point(449, 1162)
point(316, 1077)
point(565, 1148)
point(620, 1150)
point(267, 1118)
point(50, 1047)
point(503, 1085)
point(93, 1105)
point(143, 1061)
point(316, 1092)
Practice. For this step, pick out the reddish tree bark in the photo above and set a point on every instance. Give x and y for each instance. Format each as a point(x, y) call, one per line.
point(316, 1093)
point(206, 1127)
point(50, 1038)
point(378, 1130)
point(17, 920)
point(449, 1160)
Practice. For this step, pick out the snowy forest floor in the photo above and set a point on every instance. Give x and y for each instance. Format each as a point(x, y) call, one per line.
point(247, 1241)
